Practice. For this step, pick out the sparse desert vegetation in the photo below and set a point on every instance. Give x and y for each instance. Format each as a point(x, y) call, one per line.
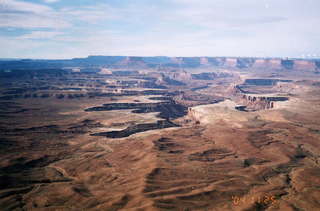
point(198, 135)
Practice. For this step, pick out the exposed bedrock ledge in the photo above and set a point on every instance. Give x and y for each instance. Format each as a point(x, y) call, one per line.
point(210, 75)
point(249, 86)
point(253, 103)
point(168, 110)
point(263, 82)
point(160, 124)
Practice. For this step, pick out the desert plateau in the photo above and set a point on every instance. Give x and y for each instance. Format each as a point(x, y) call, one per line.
point(160, 133)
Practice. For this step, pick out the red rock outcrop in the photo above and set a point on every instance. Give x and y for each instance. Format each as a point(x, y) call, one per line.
point(133, 62)
point(304, 65)
point(180, 76)
point(267, 63)
point(204, 61)
point(231, 62)
point(256, 103)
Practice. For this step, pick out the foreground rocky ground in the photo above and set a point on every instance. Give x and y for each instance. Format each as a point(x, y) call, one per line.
point(160, 142)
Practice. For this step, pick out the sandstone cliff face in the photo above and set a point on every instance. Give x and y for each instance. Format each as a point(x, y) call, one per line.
point(133, 62)
point(251, 102)
point(217, 61)
point(192, 114)
point(305, 65)
point(256, 103)
point(219, 112)
point(245, 62)
point(267, 64)
point(204, 61)
point(105, 71)
point(231, 62)
point(274, 63)
point(259, 63)
point(173, 62)
point(180, 76)
point(286, 64)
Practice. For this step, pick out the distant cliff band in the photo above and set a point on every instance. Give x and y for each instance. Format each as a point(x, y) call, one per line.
point(163, 62)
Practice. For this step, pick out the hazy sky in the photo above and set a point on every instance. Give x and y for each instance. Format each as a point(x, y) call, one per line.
point(77, 28)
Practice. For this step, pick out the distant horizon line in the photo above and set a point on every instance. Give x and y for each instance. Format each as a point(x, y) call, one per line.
point(253, 57)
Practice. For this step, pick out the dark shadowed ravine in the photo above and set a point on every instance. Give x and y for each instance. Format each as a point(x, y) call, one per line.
point(167, 110)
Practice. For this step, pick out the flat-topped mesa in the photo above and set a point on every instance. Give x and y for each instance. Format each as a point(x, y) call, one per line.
point(133, 61)
point(186, 62)
point(219, 62)
point(274, 63)
point(278, 64)
point(253, 102)
point(171, 62)
point(245, 62)
point(231, 62)
point(304, 65)
point(191, 61)
point(176, 60)
point(224, 62)
point(204, 61)
point(267, 64)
